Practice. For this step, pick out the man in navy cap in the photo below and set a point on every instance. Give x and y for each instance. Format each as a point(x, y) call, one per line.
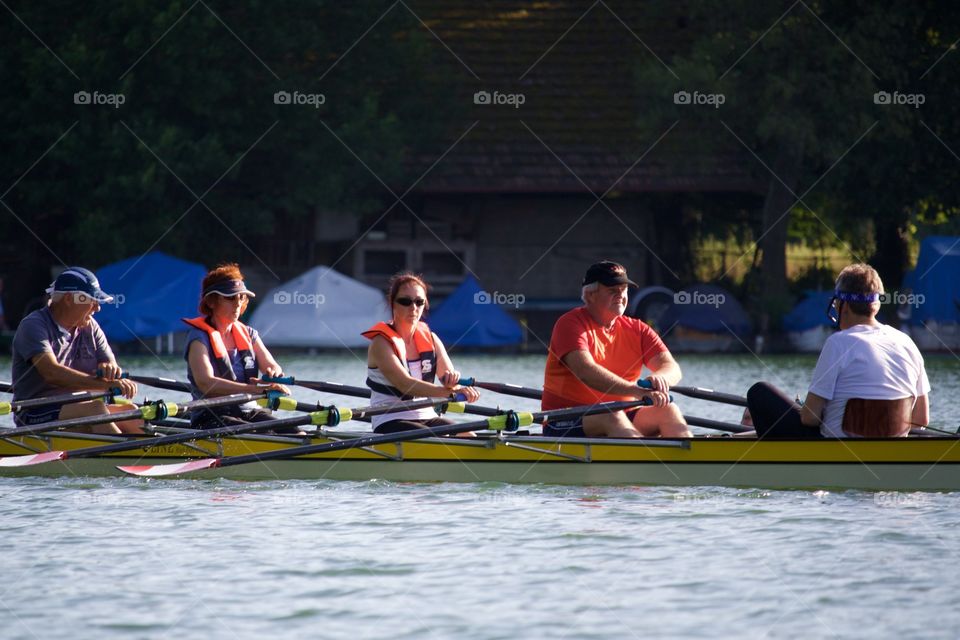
point(61, 348)
point(597, 355)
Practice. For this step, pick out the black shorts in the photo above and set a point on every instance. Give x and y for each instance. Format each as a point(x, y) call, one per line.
point(396, 426)
point(573, 427)
point(40, 415)
point(211, 420)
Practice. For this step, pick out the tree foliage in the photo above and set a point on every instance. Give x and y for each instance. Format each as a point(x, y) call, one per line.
point(199, 154)
point(800, 83)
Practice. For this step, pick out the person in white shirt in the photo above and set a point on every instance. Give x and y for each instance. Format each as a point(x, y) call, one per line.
point(865, 360)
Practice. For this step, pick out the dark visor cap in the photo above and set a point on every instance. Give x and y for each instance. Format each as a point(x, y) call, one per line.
point(609, 274)
point(228, 289)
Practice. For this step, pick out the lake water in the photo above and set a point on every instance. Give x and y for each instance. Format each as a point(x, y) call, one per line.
point(131, 558)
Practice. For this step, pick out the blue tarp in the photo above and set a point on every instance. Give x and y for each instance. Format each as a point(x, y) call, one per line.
point(937, 279)
point(471, 317)
point(810, 312)
point(707, 308)
point(152, 293)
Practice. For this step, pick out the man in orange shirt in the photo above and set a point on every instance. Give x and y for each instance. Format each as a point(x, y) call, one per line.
point(596, 355)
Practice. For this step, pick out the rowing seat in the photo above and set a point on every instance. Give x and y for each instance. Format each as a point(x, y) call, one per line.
point(877, 418)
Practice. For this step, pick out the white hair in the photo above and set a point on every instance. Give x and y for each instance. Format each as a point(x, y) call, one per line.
point(593, 286)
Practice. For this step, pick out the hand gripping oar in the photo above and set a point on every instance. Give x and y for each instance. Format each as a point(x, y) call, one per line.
point(701, 393)
point(64, 398)
point(509, 421)
point(330, 417)
point(151, 411)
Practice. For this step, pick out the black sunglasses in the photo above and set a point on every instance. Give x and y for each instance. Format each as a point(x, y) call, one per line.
point(406, 302)
point(833, 310)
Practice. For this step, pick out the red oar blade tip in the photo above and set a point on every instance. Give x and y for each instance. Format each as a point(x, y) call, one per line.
point(161, 470)
point(32, 459)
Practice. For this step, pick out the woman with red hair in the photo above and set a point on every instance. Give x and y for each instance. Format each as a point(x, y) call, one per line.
point(224, 356)
point(405, 358)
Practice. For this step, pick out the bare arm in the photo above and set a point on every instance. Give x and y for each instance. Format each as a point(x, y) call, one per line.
point(210, 385)
point(921, 412)
point(57, 375)
point(447, 375)
point(582, 364)
point(811, 414)
point(666, 369)
point(381, 356)
point(268, 364)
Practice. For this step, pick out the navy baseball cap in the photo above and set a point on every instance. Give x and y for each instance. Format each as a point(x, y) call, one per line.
point(607, 273)
point(79, 280)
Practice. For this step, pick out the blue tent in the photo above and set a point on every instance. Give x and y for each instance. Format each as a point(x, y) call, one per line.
point(810, 312)
point(152, 293)
point(471, 317)
point(937, 279)
point(709, 309)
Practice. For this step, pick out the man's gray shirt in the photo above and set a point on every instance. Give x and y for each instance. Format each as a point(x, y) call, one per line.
point(81, 349)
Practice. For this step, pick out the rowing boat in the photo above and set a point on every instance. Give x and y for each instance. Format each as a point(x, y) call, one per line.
point(903, 464)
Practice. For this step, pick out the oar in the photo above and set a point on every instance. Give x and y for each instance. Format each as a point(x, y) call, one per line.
point(536, 394)
point(64, 398)
point(364, 392)
point(151, 411)
point(161, 383)
point(701, 393)
point(331, 417)
point(6, 387)
point(510, 420)
point(717, 425)
point(507, 389)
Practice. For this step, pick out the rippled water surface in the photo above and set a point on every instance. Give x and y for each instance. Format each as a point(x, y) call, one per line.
point(130, 558)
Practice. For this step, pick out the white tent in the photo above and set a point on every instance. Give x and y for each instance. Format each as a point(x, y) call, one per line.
point(318, 308)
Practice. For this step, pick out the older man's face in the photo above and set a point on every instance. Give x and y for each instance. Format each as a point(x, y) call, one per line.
point(608, 301)
point(82, 307)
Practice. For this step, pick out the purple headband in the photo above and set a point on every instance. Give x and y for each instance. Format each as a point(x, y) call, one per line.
point(856, 297)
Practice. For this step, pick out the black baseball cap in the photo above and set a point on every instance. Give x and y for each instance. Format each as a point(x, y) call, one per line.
point(609, 274)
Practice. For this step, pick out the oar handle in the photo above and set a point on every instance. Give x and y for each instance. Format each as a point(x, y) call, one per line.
point(279, 379)
point(499, 387)
point(646, 384)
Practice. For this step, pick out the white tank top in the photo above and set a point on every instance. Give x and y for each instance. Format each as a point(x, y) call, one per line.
point(427, 413)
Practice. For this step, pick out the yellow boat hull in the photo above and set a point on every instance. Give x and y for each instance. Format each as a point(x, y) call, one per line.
point(896, 464)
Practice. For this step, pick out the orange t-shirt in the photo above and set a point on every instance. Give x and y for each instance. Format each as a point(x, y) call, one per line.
point(623, 351)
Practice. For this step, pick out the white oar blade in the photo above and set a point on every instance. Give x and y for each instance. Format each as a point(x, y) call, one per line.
point(32, 459)
point(159, 470)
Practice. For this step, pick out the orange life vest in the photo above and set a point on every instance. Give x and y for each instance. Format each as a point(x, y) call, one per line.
point(426, 352)
point(220, 359)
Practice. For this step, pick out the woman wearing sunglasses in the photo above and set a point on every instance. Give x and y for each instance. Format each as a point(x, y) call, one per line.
point(224, 356)
point(406, 360)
